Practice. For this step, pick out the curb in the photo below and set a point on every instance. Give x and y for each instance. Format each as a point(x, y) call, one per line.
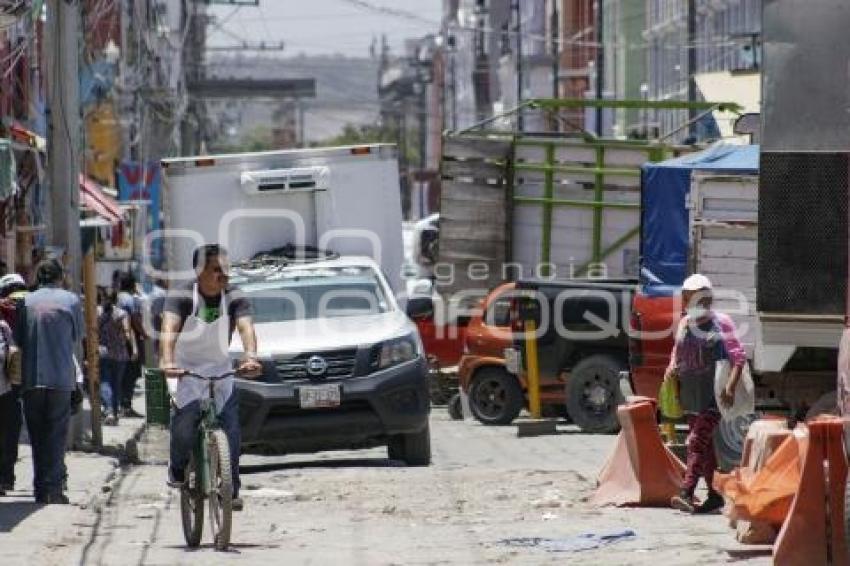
point(126, 452)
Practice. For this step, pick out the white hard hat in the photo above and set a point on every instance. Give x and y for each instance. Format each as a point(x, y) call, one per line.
point(696, 282)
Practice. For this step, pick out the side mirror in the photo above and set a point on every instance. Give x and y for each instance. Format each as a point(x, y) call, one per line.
point(420, 307)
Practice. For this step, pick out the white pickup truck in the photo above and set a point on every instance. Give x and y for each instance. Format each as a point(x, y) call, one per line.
point(343, 364)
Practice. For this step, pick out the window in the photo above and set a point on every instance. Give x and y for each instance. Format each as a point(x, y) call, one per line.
point(498, 312)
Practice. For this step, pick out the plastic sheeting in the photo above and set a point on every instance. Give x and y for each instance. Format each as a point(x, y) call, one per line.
point(665, 230)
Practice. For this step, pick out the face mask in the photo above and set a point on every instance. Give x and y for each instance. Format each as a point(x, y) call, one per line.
point(696, 313)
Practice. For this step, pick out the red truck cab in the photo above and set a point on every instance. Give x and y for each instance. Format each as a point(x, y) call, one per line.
point(654, 319)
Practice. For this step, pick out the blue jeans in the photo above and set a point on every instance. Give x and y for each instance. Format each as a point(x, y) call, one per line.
point(111, 379)
point(184, 431)
point(47, 412)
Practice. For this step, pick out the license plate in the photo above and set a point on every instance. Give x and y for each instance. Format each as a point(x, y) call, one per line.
point(512, 361)
point(312, 397)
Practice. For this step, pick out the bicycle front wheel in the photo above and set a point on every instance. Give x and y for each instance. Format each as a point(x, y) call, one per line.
point(192, 505)
point(221, 489)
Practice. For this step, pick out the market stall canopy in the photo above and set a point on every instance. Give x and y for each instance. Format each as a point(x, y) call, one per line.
point(665, 229)
point(93, 198)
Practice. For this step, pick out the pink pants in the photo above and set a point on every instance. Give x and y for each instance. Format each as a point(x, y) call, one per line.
point(701, 461)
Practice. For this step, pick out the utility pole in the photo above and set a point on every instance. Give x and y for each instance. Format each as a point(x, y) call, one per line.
point(600, 63)
point(556, 62)
point(193, 58)
point(692, 66)
point(518, 31)
point(64, 130)
point(453, 82)
point(301, 141)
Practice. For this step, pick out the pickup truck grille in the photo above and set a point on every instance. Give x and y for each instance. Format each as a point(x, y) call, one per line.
point(339, 365)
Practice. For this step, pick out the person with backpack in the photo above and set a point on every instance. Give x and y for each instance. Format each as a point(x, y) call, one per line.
point(117, 347)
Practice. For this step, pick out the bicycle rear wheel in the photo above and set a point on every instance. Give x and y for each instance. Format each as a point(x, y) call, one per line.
point(192, 505)
point(221, 494)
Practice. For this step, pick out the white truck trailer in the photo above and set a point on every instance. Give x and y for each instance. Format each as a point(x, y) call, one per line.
point(342, 198)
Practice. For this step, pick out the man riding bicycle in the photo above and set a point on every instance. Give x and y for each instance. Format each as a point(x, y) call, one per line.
point(197, 324)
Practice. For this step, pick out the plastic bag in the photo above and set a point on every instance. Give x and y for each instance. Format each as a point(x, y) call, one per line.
point(745, 391)
point(668, 399)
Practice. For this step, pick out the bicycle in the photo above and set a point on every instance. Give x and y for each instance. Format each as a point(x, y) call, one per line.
point(208, 476)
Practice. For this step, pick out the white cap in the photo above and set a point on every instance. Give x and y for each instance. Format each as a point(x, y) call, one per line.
point(11, 279)
point(696, 282)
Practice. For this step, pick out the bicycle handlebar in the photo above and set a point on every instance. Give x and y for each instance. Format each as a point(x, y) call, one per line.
point(209, 378)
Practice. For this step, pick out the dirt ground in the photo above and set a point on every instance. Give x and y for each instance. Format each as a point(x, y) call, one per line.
point(488, 498)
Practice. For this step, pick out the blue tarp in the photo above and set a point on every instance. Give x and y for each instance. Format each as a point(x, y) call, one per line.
point(664, 216)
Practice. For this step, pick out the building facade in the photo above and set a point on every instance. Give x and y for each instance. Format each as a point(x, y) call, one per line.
point(723, 36)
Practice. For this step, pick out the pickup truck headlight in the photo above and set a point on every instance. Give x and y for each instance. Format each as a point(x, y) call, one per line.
point(394, 352)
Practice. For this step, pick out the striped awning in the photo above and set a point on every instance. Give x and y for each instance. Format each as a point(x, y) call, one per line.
point(93, 198)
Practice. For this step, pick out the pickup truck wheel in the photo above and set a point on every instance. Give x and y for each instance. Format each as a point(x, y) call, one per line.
point(456, 408)
point(593, 393)
point(412, 449)
point(495, 397)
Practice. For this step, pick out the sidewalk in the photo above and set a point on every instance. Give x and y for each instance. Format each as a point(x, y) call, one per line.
point(25, 526)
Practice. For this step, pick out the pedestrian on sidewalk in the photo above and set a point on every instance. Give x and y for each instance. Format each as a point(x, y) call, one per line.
point(130, 300)
point(10, 413)
point(49, 329)
point(117, 348)
point(12, 290)
point(703, 338)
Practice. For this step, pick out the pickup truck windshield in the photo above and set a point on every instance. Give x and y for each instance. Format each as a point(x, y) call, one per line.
point(315, 293)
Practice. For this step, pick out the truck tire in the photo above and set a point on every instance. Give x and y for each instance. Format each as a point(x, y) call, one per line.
point(412, 449)
point(456, 408)
point(827, 404)
point(593, 393)
point(729, 437)
point(495, 396)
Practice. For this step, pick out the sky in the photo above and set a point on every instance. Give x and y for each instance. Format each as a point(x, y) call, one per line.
point(326, 27)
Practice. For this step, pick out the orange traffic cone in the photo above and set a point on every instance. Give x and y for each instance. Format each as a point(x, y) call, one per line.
point(641, 471)
point(813, 533)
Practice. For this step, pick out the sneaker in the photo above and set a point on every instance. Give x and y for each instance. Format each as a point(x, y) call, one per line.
point(58, 499)
point(175, 479)
point(714, 502)
point(237, 504)
point(52, 499)
point(110, 420)
point(683, 502)
point(130, 413)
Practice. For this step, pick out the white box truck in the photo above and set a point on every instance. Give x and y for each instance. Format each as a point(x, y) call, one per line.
point(315, 240)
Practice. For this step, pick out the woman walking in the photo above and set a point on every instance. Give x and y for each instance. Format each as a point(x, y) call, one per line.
point(117, 349)
point(703, 338)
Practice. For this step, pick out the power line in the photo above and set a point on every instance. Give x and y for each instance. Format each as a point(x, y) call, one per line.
point(386, 10)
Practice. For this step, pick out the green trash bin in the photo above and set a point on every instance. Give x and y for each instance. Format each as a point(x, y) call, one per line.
point(157, 399)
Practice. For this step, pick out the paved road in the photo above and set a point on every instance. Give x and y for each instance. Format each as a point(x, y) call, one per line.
point(485, 486)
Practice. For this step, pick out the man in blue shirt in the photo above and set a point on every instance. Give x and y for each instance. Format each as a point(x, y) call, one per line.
point(49, 328)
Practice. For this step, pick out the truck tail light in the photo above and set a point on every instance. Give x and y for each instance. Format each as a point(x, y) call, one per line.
point(635, 344)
